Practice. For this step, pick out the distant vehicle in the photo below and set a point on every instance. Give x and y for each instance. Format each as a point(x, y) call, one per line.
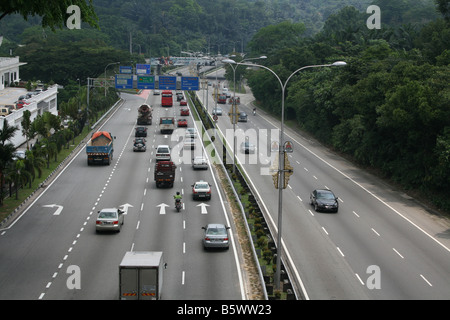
point(217, 111)
point(180, 95)
point(324, 200)
point(216, 236)
point(189, 143)
point(184, 111)
point(139, 144)
point(144, 115)
point(201, 190)
point(140, 132)
point(156, 92)
point(110, 219)
point(4, 111)
point(164, 173)
point(182, 123)
point(166, 98)
point(199, 162)
point(167, 124)
point(191, 133)
point(163, 153)
point(141, 275)
point(222, 99)
point(183, 103)
point(248, 147)
point(242, 117)
point(100, 148)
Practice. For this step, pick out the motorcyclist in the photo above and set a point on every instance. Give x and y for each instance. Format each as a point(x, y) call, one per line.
point(177, 197)
point(254, 111)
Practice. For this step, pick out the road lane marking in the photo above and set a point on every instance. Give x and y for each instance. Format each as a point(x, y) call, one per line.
point(426, 280)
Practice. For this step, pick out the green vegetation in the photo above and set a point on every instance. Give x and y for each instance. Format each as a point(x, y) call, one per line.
point(389, 109)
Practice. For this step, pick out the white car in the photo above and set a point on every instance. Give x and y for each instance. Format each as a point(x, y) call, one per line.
point(109, 219)
point(191, 133)
point(163, 153)
point(201, 190)
point(200, 162)
point(189, 143)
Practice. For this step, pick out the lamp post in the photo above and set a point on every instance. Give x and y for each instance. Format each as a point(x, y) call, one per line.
point(281, 150)
point(105, 73)
point(233, 115)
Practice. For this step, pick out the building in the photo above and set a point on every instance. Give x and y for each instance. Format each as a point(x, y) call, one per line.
point(37, 103)
point(9, 71)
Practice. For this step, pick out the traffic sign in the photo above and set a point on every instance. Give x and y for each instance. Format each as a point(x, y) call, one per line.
point(167, 83)
point(146, 82)
point(124, 81)
point(190, 83)
point(288, 147)
point(126, 69)
point(143, 69)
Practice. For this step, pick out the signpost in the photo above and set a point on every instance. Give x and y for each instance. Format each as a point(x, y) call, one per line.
point(146, 82)
point(167, 83)
point(189, 83)
point(124, 81)
point(143, 69)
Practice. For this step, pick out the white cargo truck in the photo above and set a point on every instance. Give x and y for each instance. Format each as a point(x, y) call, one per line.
point(141, 275)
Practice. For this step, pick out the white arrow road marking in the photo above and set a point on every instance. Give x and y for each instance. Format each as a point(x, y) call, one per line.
point(58, 211)
point(162, 209)
point(125, 207)
point(203, 205)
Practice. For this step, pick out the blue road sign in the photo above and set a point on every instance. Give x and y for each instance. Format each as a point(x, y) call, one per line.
point(167, 83)
point(145, 82)
point(143, 69)
point(190, 83)
point(124, 81)
point(126, 69)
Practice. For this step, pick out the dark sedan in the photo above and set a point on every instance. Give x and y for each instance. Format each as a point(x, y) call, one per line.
point(324, 200)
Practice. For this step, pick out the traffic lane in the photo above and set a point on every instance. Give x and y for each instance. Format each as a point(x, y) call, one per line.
point(379, 220)
point(39, 229)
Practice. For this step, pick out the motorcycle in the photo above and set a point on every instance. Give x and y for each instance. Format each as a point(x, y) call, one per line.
point(254, 112)
point(178, 204)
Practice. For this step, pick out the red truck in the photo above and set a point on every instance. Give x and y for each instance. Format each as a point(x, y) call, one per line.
point(166, 98)
point(165, 173)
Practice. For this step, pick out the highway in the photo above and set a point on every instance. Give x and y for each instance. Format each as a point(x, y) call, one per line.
point(56, 234)
point(380, 245)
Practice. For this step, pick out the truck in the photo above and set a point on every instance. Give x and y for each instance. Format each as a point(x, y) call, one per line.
point(141, 275)
point(144, 115)
point(165, 173)
point(167, 124)
point(166, 98)
point(100, 148)
point(222, 99)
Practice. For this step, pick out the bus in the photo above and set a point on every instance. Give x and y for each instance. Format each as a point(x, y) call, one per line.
point(166, 98)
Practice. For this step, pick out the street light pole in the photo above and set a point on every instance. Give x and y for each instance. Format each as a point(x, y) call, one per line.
point(233, 115)
point(281, 154)
point(105, 73)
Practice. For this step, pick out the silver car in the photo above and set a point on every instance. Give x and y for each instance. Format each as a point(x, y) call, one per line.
point(216, 236)
point(109, 219)
point(199, 162)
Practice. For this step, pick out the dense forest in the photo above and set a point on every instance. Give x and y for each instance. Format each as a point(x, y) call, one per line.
point(388, 109)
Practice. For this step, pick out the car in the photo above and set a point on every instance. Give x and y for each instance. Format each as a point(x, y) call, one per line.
point(217, 111)
point(140, 132)
point(201, 190)
point(139, 144)
point(199, 162)
point(183, 103)
point(248, 147)
point(109, 219)
point(184, 111)
point(163, 153)
point(191, 133)
point(242, 117)
point(216, 236)
point(182, 123)
point(156, 92)
point(189, 143)
point(324, 200)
